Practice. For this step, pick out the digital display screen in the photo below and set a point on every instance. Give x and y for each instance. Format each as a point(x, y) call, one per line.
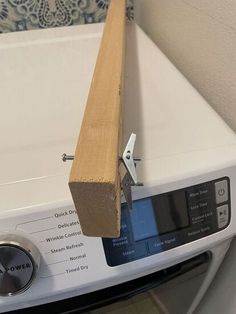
point(143, 219)
point(159, 214)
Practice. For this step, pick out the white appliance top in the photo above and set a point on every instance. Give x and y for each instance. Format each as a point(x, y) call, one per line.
point(45, 77)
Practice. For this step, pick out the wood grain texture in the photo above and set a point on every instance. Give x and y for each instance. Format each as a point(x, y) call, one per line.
point(94, 179)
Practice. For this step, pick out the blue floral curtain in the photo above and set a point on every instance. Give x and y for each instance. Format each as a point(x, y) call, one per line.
point(16, 15)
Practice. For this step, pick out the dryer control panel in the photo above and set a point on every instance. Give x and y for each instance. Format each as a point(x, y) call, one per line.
point(164, 221)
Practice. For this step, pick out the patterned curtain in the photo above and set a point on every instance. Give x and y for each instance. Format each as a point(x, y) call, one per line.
point(17, 15)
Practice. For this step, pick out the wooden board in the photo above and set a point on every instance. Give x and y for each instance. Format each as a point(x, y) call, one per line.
point(94, 179)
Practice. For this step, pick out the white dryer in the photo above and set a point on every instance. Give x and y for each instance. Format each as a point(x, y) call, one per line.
point(183, 217)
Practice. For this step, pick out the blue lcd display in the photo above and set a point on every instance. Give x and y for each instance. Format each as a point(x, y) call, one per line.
point(143, 219)
point(158, 215)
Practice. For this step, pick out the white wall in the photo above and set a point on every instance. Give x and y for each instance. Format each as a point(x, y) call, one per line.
point(199, 36)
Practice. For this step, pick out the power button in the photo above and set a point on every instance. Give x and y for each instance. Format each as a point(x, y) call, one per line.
point(221, 191)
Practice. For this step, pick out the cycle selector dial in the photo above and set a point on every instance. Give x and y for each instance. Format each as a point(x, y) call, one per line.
point(19, 263)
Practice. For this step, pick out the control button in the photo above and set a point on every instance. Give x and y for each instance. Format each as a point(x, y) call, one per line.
point(133, 252)
point(163, 243)
point(196, 193)
point(19, 262)
point(201, 217)
point(197, 233)
point(222, 216)
point(127, 254)
point(221, 190)
point(171, 241)
point(119, 242)
point(201, 206)
point(155, 245)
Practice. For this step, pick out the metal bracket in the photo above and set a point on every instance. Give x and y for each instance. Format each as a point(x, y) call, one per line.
point(130, 178)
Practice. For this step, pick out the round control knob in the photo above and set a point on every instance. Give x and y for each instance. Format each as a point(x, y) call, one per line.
point(19, 262)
